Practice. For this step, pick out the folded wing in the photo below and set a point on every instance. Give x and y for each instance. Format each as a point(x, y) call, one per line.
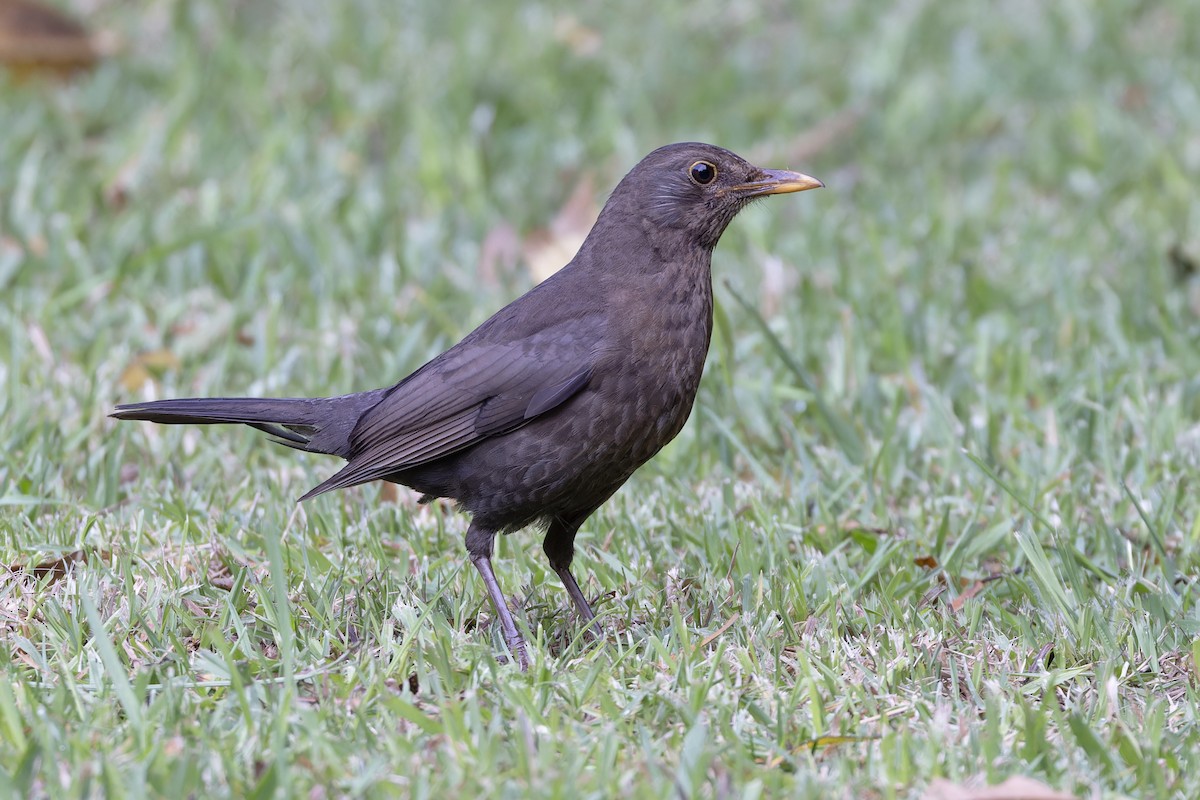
point(474, 391)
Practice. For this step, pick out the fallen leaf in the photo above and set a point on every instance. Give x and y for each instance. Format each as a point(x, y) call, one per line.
point(1183, 264)
point(146, 366)
point(56, 568)
point(1135, 97)
point(219, 575)
point(933, 593)
point(928, 562)
point(1017, 787)
point(128, 474)
point(548, 250)
point(499, 253)
point(582, 40)
point(24, 658)
point(116, 192)
point(389, 492)
point(971, 591)
point(38, 38)
point(728, 624)
point(1045, 656)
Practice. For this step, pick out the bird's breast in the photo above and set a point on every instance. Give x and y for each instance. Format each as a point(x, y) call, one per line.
point(652, 389)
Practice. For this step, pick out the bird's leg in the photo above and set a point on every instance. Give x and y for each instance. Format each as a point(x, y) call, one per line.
point(479, 545)
point(581, 603)
point(559, 546)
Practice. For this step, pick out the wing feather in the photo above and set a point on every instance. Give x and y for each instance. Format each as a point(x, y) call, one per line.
point(470, 393)
point(388, 456)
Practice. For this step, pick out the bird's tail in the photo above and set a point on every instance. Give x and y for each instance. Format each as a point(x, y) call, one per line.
point(318, 425)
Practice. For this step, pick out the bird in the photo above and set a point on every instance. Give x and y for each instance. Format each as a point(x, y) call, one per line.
point(540, 414)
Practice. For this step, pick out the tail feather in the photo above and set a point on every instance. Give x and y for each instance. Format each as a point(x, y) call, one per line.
point(318, 425)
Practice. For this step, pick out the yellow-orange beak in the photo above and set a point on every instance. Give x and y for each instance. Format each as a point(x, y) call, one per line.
point(778, 181)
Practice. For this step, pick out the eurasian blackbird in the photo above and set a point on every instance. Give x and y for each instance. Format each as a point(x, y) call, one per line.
point(542, 412)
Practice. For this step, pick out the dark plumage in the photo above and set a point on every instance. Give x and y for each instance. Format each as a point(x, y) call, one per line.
point(543, 411)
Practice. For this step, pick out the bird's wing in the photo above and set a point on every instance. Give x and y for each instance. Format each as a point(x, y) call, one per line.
point(474, 391)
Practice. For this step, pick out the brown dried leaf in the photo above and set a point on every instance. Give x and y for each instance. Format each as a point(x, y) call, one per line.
point(389, 492)
point(56, 568)
point(715, 634)
point(928, 562)
point(117, 191)
point(38, 38)
point(548, 250)
point(219, 575)
point(582, 40)
point(194, 608)
point(1183, 264)
point(1135, 97)
point(128, 474)
point(23, 657)
point(145, 366)
point(1015, 788)
point(971, 591)
point(134, 377)
point(499, 253)
point(933, 593)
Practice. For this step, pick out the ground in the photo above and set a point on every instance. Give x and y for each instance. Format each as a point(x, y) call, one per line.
point(934, 515)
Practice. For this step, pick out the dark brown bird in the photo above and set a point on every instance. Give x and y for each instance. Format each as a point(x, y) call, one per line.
point(542, 412)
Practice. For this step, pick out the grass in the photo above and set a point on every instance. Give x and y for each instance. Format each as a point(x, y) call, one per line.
point(935, 513)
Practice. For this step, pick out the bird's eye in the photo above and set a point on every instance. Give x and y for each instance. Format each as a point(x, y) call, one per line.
point(702, 173)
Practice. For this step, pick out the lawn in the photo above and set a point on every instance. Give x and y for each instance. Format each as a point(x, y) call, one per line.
point(935, 514)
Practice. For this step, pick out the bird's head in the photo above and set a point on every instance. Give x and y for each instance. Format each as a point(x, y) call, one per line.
point(697, 189)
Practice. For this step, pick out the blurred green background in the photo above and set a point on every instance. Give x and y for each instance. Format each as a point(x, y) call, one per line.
point(940, 475)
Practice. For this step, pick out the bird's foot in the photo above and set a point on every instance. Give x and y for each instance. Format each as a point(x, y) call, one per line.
point(520, 651)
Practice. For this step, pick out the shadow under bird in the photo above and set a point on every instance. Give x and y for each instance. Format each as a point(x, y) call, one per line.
point(542, 412)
